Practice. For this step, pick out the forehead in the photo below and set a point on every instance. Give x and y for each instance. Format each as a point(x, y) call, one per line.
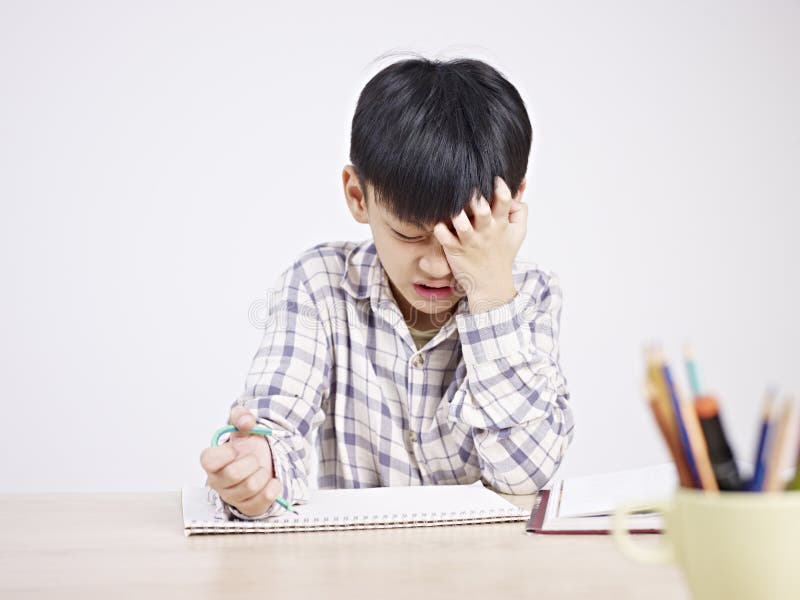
point(392, 219)
point(396, 222)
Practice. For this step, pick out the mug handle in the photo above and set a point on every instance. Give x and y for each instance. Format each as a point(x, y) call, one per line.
point(662, 554)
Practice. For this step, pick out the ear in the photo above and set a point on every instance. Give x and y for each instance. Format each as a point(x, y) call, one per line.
point(354, 195)
point(521, 190)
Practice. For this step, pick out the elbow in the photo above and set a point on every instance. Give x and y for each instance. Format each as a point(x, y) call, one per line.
point(538, 470)
point(550, 467)
point(548, 457)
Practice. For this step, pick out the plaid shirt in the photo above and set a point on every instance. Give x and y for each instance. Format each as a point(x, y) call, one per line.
point(484, 399)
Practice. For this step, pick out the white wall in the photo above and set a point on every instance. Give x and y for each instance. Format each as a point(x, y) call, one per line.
point(161, 163)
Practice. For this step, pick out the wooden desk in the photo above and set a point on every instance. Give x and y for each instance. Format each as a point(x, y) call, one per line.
point(131, 545)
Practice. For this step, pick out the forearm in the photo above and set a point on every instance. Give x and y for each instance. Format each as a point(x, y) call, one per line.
point(286, 395)
point(522, 423)
point(514, 395)
point(491, 295)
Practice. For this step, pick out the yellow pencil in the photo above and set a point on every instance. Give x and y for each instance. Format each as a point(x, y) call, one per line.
point(658, 391)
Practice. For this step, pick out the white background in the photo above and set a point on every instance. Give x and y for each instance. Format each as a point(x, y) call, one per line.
point(162, 162)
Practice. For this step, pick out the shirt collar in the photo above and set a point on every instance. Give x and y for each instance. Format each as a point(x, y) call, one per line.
point(365, 277)
point(360, 269)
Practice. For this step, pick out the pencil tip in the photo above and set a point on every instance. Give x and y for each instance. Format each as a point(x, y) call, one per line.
point(651, 347)
point(658, 354)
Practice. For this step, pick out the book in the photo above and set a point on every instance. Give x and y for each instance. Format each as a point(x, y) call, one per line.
point(364, 508)
point(585, 505)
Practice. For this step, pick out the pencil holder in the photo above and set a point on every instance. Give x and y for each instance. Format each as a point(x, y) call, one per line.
point(733, 545)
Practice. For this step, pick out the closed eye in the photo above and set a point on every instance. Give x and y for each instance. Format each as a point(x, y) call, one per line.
point(405, 238)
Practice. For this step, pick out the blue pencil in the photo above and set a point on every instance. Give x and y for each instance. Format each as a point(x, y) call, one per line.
point(676, 406)
point(760, 465)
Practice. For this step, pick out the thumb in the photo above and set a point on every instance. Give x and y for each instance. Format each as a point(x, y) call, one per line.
point(242, 419)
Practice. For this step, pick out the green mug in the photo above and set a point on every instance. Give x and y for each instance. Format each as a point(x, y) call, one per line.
point(729, 545)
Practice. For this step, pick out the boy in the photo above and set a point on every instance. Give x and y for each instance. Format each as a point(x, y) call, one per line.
point(427, 355)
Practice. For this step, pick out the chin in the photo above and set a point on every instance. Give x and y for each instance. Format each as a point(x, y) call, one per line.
point(432, 308)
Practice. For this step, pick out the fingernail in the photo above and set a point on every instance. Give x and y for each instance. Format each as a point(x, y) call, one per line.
point(242, 421)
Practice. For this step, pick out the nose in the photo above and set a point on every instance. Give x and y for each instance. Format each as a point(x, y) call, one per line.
point(434, 262)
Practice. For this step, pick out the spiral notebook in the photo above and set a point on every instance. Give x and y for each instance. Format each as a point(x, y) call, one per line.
point(365, 508)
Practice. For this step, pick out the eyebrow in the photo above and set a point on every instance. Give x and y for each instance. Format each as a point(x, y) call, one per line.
point(414, 224)
point(418, 225)
point(424, 229)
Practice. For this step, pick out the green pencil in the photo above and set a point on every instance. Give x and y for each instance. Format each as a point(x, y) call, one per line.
point(691, 368)
point(257, 430)
point(794, 484)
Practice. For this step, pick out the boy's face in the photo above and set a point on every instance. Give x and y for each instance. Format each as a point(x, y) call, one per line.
point(411, 257)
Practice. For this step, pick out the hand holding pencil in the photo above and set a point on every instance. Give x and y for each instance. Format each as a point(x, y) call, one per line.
point(241, 470)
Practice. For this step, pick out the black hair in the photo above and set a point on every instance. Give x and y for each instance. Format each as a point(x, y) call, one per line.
point(428, 134)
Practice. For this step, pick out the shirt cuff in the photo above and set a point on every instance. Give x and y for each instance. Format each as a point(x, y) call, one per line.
point(499, 332)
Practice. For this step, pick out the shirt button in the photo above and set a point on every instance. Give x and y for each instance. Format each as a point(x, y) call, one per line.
point(412, 437)
point(418, 361)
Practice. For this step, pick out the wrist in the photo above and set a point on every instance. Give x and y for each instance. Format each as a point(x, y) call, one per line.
point(484, 299)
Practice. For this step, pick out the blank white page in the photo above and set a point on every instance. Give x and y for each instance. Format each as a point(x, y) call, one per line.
point(601, 494)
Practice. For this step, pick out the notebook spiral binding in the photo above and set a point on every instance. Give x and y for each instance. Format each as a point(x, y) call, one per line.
point(384, 521)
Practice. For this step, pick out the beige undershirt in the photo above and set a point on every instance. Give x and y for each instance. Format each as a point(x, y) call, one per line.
point(422, 337)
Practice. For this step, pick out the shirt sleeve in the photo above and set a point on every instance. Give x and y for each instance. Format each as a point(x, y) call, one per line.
point(287, 383)
point(514, 395)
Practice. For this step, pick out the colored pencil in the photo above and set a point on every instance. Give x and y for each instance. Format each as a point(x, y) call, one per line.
point(656, 390)
point(681, 425)
point(257, 430)
point(759, 465)
point(691, 370)
point(775, 462)
point(794, 484)
point(655, 376)
point(719, 451)
point(697, 440)
point(670, 436)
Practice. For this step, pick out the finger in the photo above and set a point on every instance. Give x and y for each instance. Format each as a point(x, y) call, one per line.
point(248, 488)
point(254, 444)
point(518, 212)
point(502, 200)
point(262, 500)
point(234, 473)
point(463, 227)
point(242, 418)
point(444, 236)
point(481, 212)
point(216, 458)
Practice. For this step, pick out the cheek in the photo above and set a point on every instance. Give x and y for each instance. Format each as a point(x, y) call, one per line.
point(402, 262)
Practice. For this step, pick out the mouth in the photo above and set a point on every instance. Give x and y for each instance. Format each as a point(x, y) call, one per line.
point(433, 292)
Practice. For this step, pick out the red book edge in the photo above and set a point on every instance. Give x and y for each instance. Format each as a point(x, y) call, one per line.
point(536, 521)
